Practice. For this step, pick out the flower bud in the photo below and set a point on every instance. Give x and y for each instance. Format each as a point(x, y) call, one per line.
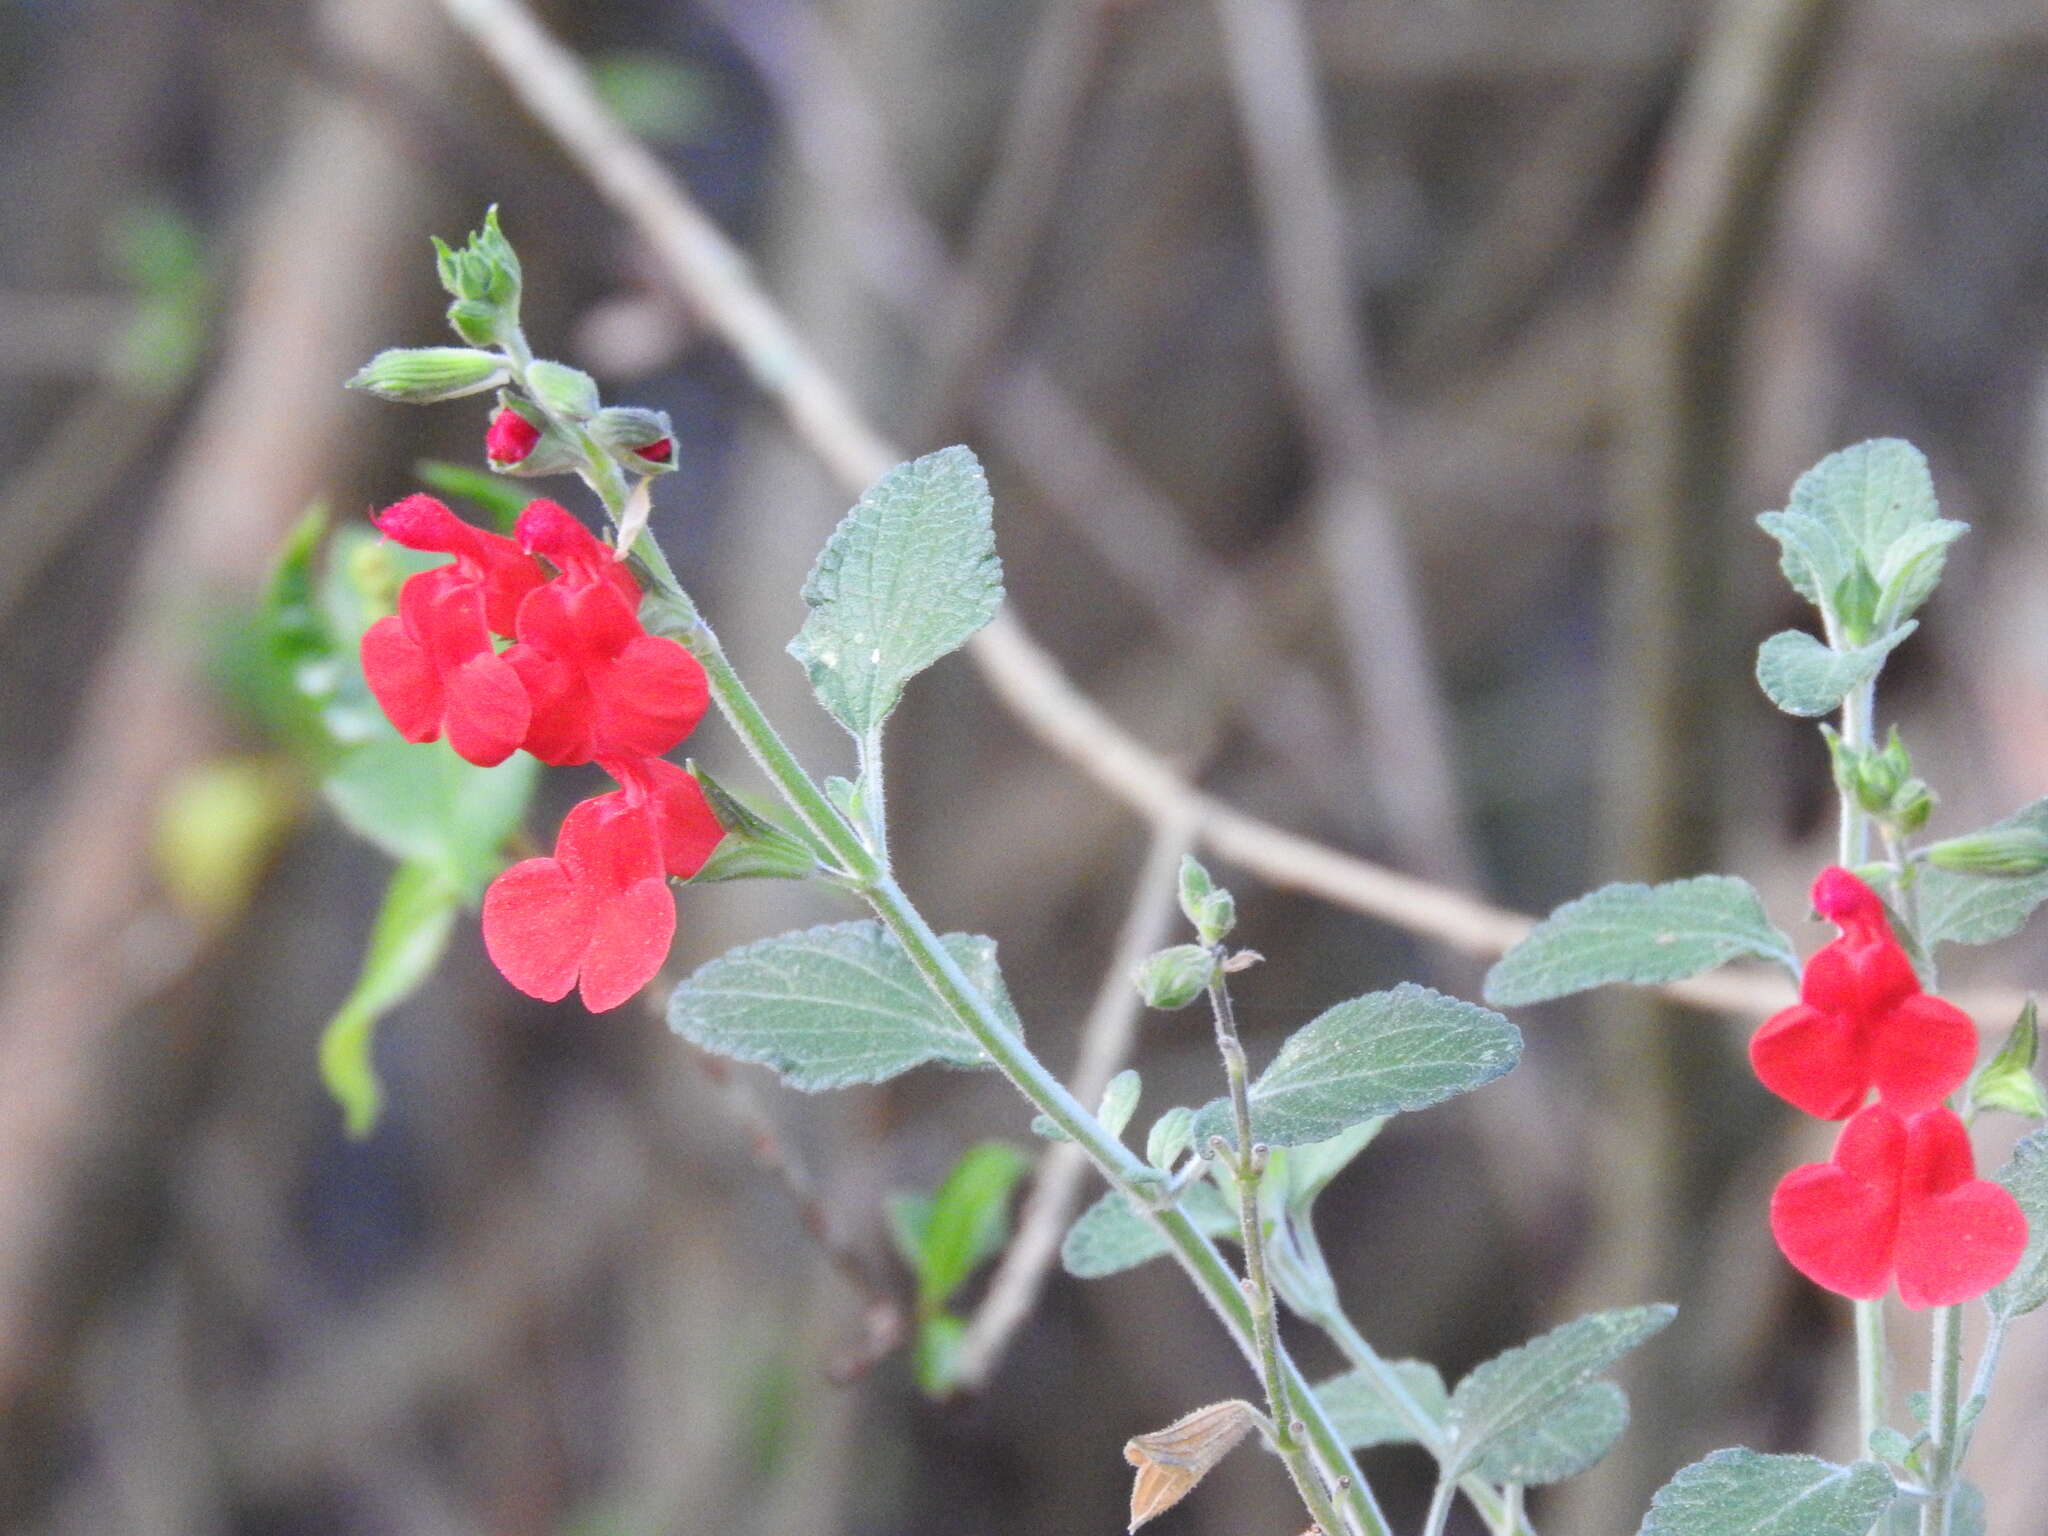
point(1204, 903)
point(641, 440)
point(510, 439)
point(1175, 977)
point(1998, 852)
point(424, 375)
point(2007, 1080)
point(483, 278)
point(563, 391)
point(1911, 807)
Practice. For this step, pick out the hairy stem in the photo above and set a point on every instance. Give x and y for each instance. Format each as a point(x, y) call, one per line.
point(1944, 1389)
point(1248, 1168)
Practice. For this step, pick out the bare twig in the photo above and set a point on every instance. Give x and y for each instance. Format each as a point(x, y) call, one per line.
point(1323, 350)
point(1105, 1046)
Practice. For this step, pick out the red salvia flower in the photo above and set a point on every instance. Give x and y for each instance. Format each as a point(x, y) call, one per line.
point(685, 827)
point(1862, 1021)
point(1899, 1200)
point(510, 438)
point(597, 916)
point(601, 686)
point(432, 668)
point(660, 451)
point(495, 563)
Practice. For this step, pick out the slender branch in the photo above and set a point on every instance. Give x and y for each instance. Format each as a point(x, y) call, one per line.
point(1105, 1045)
point(1247, 1167)
point(1944, 1387)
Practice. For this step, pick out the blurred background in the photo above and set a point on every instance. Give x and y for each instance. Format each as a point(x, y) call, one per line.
point(1376, 426)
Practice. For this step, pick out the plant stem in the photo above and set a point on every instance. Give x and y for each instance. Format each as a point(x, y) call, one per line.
point(1944, 1388)
point(1872, 1358)
point(1439, 1507)
point(1248, 1168)
point(1980, 1383)
point(873, 792)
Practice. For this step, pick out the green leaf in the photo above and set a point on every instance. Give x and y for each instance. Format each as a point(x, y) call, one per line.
point(832, 1006)
point(1744, 1493)
point(1375, 1055)
point(406, 943)
point(1120, 1101)
point(1870, 496)
point(1966, 1514)
point(1111, 1236)
point(1563, 1443)
point(1516, 1392)
point(1912, 568)
point(1804, 677)
point(425, 805)
point(907, 576)
point(1171, 1135)
point(1811, 557)
point(2026, 1175)
point(1975, 909)
point(935, 1356)
point(1364, 1415)
point(945, 1238)
point(1638, 933)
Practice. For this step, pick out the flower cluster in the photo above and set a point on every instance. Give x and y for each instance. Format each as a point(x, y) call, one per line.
point(581, 682)
point(1900, 1199)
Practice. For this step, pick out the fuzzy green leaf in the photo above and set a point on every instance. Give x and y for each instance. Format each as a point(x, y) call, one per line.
point(1364, 1415)
point(908, 576)
point(1744, 1493)
point(832, 1006)
point(2026, 1175)
point(1805, 678)
point(1563, 1443)
point(1811, 557)
point(1870, 495)
point(1110, 1237)
point(1966, 1514)
point(1912, 568)
point(1375, 1055)
point(423, 804)
point(1638, 933)
point(1516, 1392)
point(1976, 909)
point(1310, 1168)
point(406, 943)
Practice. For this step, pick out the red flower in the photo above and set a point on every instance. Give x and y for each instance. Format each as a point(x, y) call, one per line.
point(511, 437)
point(495, 563)
point(601, 686)
point(1900, 1199)
point(1862, 1021)
point(684, 824)
point(660, 451)
point(597, 916)
point(432, 668)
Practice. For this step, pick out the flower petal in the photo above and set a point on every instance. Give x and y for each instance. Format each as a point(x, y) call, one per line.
point(630, 941)
point(486, 710)
point(1811, 1060)
point(537, 927)
point(402, 679)
point(649, 698)
point(1921, 1052)
point(1955, 1247)
point(1835, 1229)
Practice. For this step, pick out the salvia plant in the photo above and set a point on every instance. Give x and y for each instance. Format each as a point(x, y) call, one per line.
point(435, 662)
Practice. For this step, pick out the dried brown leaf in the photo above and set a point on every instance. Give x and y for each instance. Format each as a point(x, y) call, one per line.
point(1172, 1460)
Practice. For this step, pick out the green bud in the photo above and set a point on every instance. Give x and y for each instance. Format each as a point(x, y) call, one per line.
point(1120, 1101)
point(483, 278)
point(423, 375)
point(1911, 807)
point(2007, 1080)
point(753, 847)
point(1856, 599)
point(1175, 977)
point(1999, 852)
point(564, 391)
point(643, 441)
point(474, 321)
point(1207, 905)
point(1171, 1135)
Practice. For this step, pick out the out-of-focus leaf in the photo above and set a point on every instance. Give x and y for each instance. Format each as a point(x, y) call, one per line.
point(1740, 1492)
point(425, 805)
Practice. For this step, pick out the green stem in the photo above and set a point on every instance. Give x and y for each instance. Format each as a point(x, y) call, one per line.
point(1871, 1361)
point(1439, 1507)
point(874, 792)
point(1944, 1391)
point(1248, 1168)
point(1980, 1384)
